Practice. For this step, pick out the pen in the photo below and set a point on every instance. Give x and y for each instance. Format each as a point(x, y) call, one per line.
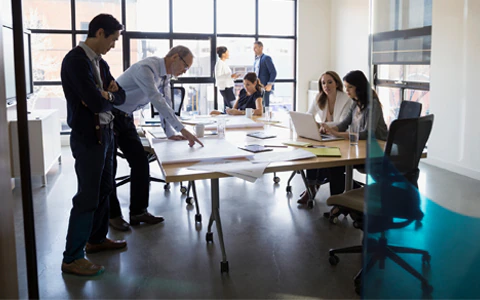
point(275, 146)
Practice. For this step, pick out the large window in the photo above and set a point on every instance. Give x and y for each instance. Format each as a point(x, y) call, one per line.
point(152, 27)
point(401, 54)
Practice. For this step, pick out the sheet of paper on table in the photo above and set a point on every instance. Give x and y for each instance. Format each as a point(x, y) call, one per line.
point(282, 156)
point(170, 152)
point(245, 170)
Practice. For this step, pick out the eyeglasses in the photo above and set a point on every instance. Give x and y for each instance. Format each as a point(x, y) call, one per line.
point(186, 65)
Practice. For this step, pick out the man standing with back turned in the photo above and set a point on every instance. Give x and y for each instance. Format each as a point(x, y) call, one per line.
point(265, 70)
point(91, 92)
point(146, 81)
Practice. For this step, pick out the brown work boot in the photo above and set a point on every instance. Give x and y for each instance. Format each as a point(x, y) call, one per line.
point(82, 267)
point(108, 244)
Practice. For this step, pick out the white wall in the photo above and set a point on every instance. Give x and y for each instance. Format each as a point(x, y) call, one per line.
point(313, 48)
point(455, 140)
point(349, 31)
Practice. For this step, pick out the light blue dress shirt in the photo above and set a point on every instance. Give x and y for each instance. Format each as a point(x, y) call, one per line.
point(147, 81)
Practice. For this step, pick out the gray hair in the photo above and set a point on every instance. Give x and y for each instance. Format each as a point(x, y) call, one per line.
point(182, 51)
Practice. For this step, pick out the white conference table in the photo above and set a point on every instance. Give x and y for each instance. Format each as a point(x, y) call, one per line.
point(179, 171)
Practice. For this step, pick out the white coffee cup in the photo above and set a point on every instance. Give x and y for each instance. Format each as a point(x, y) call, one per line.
point(200, 130)
point(248, 112)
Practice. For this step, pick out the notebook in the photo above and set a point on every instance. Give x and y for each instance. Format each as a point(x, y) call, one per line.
point(325, 151)
point(306, 127)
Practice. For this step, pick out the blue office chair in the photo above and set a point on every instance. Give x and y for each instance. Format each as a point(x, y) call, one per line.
point(394, 199)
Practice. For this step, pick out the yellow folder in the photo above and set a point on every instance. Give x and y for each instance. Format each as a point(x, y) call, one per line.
point(325, 151)
point(297, 144)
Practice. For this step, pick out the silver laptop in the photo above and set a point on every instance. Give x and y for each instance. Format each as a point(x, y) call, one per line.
point(306, 127)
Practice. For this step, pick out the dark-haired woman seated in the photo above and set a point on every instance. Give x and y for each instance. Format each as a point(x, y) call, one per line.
point(249, 97)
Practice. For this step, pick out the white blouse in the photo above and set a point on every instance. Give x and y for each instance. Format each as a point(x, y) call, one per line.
point(223, 75)
point(340, 111)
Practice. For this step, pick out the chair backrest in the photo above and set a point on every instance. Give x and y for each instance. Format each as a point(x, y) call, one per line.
point(405, 143)
point(178, 95)
point(398, 173)
point(409, 109)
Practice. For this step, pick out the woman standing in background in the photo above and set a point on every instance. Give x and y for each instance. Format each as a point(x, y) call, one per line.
point(224, 77)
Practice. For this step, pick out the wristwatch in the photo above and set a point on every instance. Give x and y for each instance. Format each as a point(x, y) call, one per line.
point(111, 97)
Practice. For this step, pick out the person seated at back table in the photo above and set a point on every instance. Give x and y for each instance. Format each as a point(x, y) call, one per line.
point(358, 89)
point(249, 97)
point(331, 106)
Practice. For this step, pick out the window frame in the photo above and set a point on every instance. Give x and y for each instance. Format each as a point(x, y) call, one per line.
point(170, 35)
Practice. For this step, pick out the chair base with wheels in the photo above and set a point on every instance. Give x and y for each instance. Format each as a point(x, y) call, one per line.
point(380, 251)
point(311, 194)
point(125, 179)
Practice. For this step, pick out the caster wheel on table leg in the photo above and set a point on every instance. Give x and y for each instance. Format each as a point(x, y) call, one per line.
point(209, 237)
point(224, 267)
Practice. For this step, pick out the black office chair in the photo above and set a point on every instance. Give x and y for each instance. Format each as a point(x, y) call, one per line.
point(151, 158)
point(393, 196)
point(408, 109)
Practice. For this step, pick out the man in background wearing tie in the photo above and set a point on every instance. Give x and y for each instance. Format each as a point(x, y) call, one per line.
point(146, 81)
point(265, 70)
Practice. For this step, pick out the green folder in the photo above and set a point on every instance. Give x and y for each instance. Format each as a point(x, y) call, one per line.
point(325, 151)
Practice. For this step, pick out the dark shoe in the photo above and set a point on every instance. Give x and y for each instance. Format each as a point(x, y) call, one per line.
point(146, 217)
point(119, 223)
point(82, 267)
point(304, 197)
point(108, 244)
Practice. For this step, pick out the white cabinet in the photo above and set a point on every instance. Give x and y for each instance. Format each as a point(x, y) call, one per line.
point(44, 139)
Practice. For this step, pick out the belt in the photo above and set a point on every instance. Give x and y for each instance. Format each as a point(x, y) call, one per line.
point(116, 111)
point(105, 126)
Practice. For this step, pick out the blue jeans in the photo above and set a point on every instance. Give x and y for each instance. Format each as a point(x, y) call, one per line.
point(89, 215)
point(128, 141)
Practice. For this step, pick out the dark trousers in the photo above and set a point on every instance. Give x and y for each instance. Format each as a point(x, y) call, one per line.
point(128, 141)
point(89, 215)
point(228, 96)
point(335, 176)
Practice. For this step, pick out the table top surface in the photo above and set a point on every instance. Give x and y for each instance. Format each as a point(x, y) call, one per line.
point(351, 155)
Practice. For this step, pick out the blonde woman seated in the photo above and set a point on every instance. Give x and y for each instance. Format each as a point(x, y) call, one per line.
point(249, 97)
point(331, 106)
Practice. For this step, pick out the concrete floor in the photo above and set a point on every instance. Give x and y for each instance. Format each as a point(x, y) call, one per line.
point(275, 248)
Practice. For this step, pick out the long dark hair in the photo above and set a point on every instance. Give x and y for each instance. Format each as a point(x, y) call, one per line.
point(362, 87)
point(252, 77)
point(322, 96)
point(221, 50)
